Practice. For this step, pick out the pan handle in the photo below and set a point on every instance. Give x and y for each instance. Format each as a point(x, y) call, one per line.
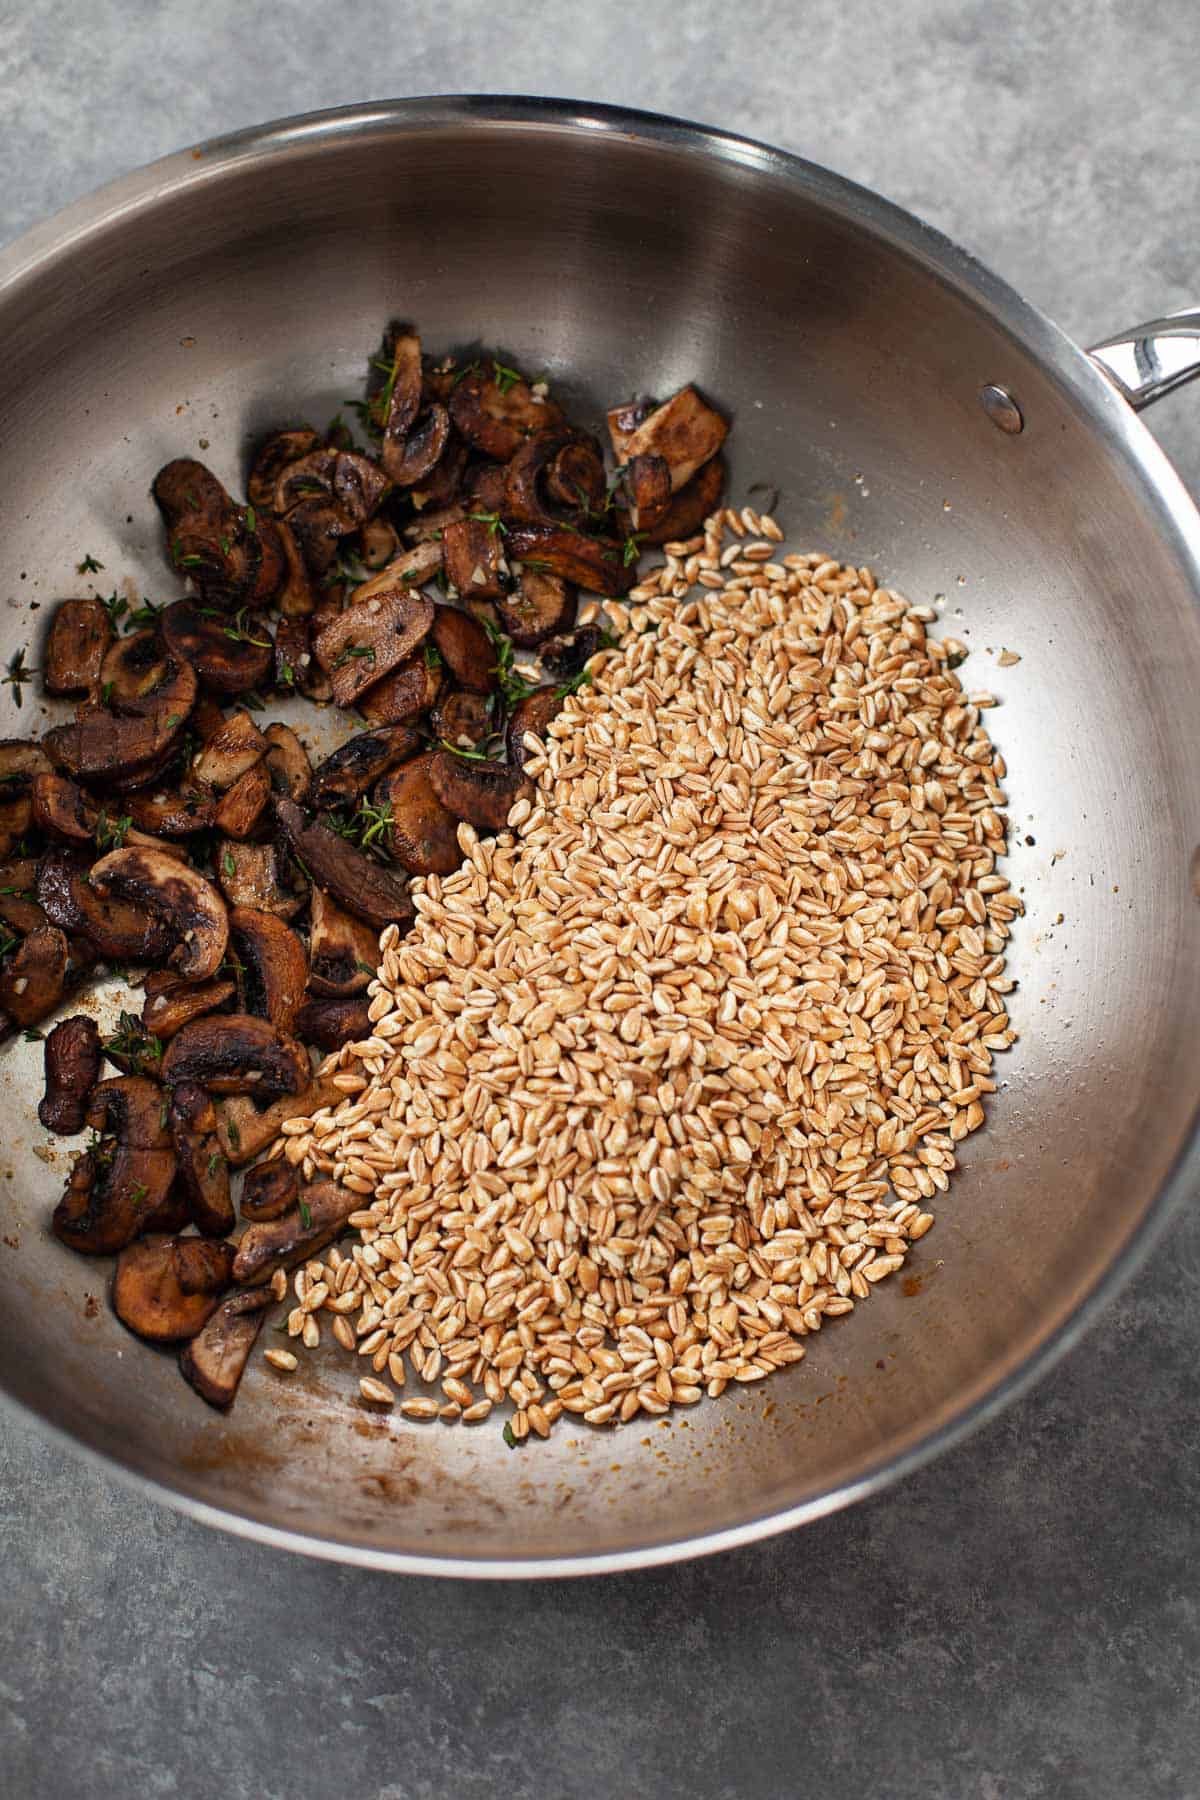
point(1147, 362)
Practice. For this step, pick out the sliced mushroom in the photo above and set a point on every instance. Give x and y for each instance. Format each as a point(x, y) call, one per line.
point(441, 485)
point(414, 458)
point(413, 567)
point(170, 813)
point(575, 478)
point(361, 885)
point(407, 693)
point(245, 803)
point(557, 478)
point(171, 1215)
point(297, 596)
point(645, 490)
point(203, 1267)
point(343, 952)
point(133, 671)
point(568, 656)
point(297, 670)
point(329, 1023)
point(360, 762)
point(427, 527)
point(531, 716)
point(280, 1243)
point(691, 505)
point(215, 1359)
point(273, 455)
point(20, 763)
point(396, 410)
point(171, 1002)
point(63, 810)
point(593, 563)
point(349, 484)
point(34, 979)
point(624, 420)
point(203, 1171)
point(76, 644)
point(423, 834)
point(465, 648)
point(483, 793)
point(256, 875)
point(287, 763)
point(72, 1061)
point(473, 557)
point(367, 641)
point(269, 1189)
point(272, 966)
point(112, 1192)
point(236, 1053)
point(116, 930)
point(208, 537)
point(245, 1128)
point(130, 748)
point(227, 659)
point(236, 747)
point(190, 907)
point(537, 607)
point(685, 431)
point(463, 718)
point(149, 1297)
point(380, 543)
point(133, 1049)
point(497, 415)
point(19, 907)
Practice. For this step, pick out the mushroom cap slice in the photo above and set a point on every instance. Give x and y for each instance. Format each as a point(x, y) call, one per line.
point(76, 644)
point(691, 505)
point(685, 431)
point(215, 1359)
point(474, 560)
point(355, 765)
point(645, 487)
point(272, 456)
point(109, 1200)
point(329, 1022)
point(72, 1061)
point(287, 762)
point(273, 965)
point(19, 907)
point(117, 930)
point(465, 648)
point(34, 979)
point(406, 694)
point(423, 834)
point(624, 420)
point(370, 638)
point(499, 421)
point(350, 484)
point(171, 1001)
point(203, 1170)
point(269, 1189)
point(246, 1128)
point(237, 1053)
point(380, 543)
point(227, 661)
point(179, 896)
point(297, 670)
point(343, 952)
point(403, 387)
point(279, 1243)
point(531, 716)
point(415, 457)
point(296, 597)
point(134, 669)
point(129, 748)
point(463, 719)
point(539, 606)
point(236, 747)
point(242, 806)
point(361, 885)
point(149, 1297)
point(556, 478)
point(254, 875)
point(168, 812)
point(593, 563)
point(482, 793)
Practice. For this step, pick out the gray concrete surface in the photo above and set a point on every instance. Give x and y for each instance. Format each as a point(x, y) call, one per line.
point(1019, 1622)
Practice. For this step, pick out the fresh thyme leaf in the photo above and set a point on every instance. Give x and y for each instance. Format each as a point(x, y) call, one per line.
point(8, 940)
point(214, 1162)
point(234, 1135)
point(471, 368)
point(17, 675)
point(229, 864)
point(305, 1214)
point(145, 614)
point(251, 519)
point(492, 520)
point(106, 694)
point(132, 1046)
point(507, 1434)
point(351, 651)
point(505, 378)
point(583, 679)
point(116, 606)
point(110, 834)
point(137, 1193)
point(174, 720)
point(33, 1037)
point(240, 633)
point(631, 549)
point(89, 566)
point(365, 968)
point(287, 675)
point(467, 755)
point(433, 656)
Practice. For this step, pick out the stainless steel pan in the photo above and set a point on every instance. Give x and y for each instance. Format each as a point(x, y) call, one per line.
point(915, 413)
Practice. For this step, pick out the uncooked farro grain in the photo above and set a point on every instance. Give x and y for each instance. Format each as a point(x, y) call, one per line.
point(661, 1076)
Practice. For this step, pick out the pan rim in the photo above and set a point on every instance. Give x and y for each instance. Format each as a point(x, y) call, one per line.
point(1174, 515)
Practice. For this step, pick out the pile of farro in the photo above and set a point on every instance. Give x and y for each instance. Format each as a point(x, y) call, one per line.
point(665, 1075)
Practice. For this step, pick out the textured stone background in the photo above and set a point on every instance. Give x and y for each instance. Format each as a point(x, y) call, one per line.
point(1019, 1622)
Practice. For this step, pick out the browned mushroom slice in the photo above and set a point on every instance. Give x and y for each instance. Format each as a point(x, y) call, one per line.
point(132, 672)
point(34, 979)
point(645, 489)
point(496, 415)
point(62, 810)
point(279, 1243)
point(537, 607)
point(414, 458)
point(270, 1188)
point(20, 763)
point(272, 966)
point(297, 596)
point(246, 1128)
point(427, 527)
point(691, 505)
point(79, 636)
point(413, 567)
point(209, 539)
point(215, 1360)
point(684, 430)
point(407, 693)
point(380, 543)
point(484, 487)
point(329, 1023)
point(343, 952)
point(568, 656)
point(19, 908)
point(118, 931)
point(482, 793)
point(287, 762)
point(359, 762)
point(575, 477)
point(465, 648)
point(463, 718)
point(423, 834)
point(149, 1298)
point(473, 556)
point(243, 806)
point(171, 1002)
point(593, 563)
point(272, 457)
point(362, 886)
point(440, 486)
point(171, 1215)
point(370, 638)
point(134, 746)
point(72, 1061)
point(556, 478)
point(297, 670)
point(188, 905)
point(531, 716)
point(169, 813)
point(395, 408)
point(203, 1172)
point(351, 484)
point(113, 1190)
point(202, 1266)
point(236, 747)
point(624, 420)
point(256, 875)
point(227, 659)
point(236, 1053)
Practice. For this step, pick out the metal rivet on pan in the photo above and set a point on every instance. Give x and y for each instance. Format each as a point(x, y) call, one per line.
point(1002, 409)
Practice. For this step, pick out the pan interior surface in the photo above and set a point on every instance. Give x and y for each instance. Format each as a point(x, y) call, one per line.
point(245, 288)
